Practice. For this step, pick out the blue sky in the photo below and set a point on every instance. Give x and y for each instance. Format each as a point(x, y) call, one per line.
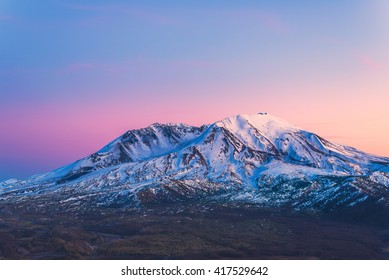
point(76, 74)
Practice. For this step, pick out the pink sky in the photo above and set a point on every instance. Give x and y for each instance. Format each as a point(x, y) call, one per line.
point(74, 77)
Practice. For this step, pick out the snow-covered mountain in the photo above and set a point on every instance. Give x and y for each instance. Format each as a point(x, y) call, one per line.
point(254, 158)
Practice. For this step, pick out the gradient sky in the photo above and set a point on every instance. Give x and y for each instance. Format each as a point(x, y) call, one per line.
point(76, 74)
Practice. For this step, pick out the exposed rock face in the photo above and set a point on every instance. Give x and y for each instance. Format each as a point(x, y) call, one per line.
point(258, 158)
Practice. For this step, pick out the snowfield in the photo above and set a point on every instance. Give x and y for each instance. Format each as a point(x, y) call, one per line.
point(258, 158)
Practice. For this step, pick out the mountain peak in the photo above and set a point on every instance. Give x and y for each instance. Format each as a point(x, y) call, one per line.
point(157, 125)
point(256, 154)
point(263, 122)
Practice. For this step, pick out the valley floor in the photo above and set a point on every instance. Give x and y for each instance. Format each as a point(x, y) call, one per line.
point(186, 231)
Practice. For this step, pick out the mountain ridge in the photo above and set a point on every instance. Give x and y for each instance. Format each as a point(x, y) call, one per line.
point(258, 158)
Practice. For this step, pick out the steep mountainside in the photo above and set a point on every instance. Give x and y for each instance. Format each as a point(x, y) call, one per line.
point(257, 158)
